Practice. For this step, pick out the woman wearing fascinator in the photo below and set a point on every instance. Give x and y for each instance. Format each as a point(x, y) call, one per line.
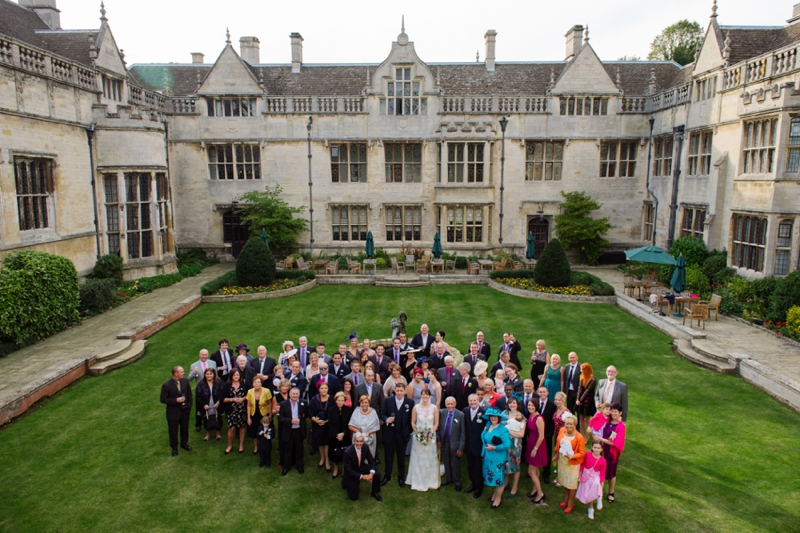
point(496, 443)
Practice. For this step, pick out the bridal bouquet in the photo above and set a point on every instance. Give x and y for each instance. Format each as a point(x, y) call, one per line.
point(424, 435)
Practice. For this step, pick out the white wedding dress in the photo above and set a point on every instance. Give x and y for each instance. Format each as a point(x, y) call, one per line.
point(423, 469)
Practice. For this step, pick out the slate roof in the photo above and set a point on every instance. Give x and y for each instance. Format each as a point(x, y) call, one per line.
point(20, 23)
point(635, 75)
point(750, 41)
point(73, 45)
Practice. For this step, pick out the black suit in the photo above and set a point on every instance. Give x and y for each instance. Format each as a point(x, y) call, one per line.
point(474, 446)
point(549, 428)
point(351, 479)
point(517, 384)
point(333, 384)
point(376, 399)
point(485, 351)
point(426, 345)
point(472, 362)
point(293, 437)
point(382, 367)
point(461, 393)
point(513, 349)
point(396, 434)
point(299, 381)
point(571, 376)
point(177, 413)
point(436, 361)
point(217, 358)
point(341, 372)
point(495, 367)
point(255, 366)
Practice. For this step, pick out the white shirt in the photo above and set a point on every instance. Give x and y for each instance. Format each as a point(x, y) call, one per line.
point(472, 413)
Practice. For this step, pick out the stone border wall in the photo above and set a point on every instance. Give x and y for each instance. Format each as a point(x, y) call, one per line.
point(261, 295)
point(553, 297)
point(786, 391)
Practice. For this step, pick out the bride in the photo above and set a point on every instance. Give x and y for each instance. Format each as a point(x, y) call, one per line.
point(423, 471)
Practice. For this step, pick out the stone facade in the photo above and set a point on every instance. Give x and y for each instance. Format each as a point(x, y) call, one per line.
point(406, 148)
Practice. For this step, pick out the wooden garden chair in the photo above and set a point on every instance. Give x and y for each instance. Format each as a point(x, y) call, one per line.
point(397, 265)
point(353, 267)
point(302, 265)
point(473, 267)
point(500, 265)
point(698, 312)
point(713, 305)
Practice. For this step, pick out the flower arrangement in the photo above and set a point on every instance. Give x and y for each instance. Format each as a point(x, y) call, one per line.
point(424, 436)
point(528, 285)
point(278, 285)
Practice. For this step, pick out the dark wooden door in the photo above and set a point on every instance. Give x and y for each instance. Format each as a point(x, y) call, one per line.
point(234, 232)
point(540, 230)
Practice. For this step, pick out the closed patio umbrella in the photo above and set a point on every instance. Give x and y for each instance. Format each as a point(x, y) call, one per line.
point(369, 249)
point(437, 246)
point(678, 281)
point(530, 250)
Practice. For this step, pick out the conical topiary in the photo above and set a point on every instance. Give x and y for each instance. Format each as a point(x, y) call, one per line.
point(552, 268)
point(256, 264)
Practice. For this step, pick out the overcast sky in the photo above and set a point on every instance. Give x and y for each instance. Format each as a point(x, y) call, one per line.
point(359, 31)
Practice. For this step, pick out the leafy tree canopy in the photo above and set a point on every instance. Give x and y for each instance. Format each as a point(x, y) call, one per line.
point(266, 210)
point(629, 58)
point(579, 232)
point(677, 42)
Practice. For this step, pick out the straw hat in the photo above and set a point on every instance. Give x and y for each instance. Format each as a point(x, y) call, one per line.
point(481, 367)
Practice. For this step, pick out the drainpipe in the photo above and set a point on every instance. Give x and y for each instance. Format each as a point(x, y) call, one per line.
point(673, 206)
point(89, 138)
point(649, 190)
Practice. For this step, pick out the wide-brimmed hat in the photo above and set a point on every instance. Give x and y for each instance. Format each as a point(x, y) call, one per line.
point(290, 343)
point(480, 367)
point(242, 346)
point(494, 411)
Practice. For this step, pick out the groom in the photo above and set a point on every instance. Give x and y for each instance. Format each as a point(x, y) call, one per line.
point(396, 417)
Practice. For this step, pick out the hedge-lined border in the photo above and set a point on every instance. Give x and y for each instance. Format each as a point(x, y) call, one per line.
point(261, 295)
point(553, 297)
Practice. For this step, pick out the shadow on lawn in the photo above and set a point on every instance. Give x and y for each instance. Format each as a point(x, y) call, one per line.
point(696, 486)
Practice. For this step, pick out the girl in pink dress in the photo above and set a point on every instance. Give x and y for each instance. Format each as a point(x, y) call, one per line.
point(593, 474)
point(601, 418)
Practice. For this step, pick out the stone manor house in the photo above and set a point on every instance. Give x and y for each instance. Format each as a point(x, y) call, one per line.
point(98, 157)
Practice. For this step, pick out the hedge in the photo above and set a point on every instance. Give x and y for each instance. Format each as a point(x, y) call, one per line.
point(597, 286)
point(97, 295)
point(515, 274)
point(295, 274)
point(226, 280)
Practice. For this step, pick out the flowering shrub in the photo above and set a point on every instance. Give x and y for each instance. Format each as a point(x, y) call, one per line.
point(793, 322)
point(529, 285)
point(277, 285)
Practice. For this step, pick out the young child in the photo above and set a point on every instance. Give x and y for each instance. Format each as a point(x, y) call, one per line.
point(593, 474)
point(599, 420)
point(265, 434)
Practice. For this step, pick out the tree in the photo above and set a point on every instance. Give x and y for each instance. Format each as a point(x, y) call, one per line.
point(265, 210)
point(552, 268)
point(577, 230)
point(677, 42)
point(629, 58)
point(256, 264)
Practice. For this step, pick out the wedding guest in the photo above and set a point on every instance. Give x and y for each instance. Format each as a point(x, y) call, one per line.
point(451, 441)
point(600, 419)
point(261, 366)
point(570, 449)
point(288, 351)
point(365, 421)
point(260, 402)
point(324, 376)
point(408, 366)
point(312, 368)
point(396, 417)
point(516, 431)
point(381, 362)
point(584, 403)
point(552, 377)
point(338, 367)
point(593, 473)
point(223, 359)
point(437, 394)
point(366, 348)
point(540, 358)
point(474, 424)
point(359, 465)
point(318, 410)
point(570, 380)
point(352, 349)
point(338, 431)
point(560, 415)
point(241, 364)
point(349, 390)
point(176, 394)
point(490, 397)
point(208, 394)
point(292, 416)
point(496, 442)
point(395, 377)
point(234, 395)
point(547, 409)
point(536, 451)
point(513, 379)
point(266, 434)
point(274, 380)
point(282, 395)
point(480, 373)
point(613, 443)
point(612, 391)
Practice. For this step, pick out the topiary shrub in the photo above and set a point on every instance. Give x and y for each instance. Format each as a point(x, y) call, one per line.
point(39, 296)
point(108, 267)
point(786, 295)
point(97, 295)
point(696, 281)
point(256, 264)
point(552, 268)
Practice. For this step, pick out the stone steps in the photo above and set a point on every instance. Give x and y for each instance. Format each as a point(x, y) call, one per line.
point(112, 350)
point(684, 348)
point(134, 352)
point(403, 283)
point(711, 350)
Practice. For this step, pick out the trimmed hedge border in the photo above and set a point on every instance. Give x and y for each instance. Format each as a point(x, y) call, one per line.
point(261, 295)
point(553, 297)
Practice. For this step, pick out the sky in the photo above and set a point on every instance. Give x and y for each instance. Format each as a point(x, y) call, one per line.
point(360, 31)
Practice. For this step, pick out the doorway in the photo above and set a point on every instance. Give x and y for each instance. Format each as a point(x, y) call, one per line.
point(234, 232)
point(541, 231)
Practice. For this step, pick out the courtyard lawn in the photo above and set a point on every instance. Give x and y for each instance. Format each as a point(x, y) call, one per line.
point(705, 452)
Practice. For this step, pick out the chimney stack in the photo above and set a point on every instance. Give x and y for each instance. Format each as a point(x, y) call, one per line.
point(490, 37)
point(795, 14)
point(249, 49)
point(198, 57)
point(574, 41)
point(297, 51)
point(47, 11)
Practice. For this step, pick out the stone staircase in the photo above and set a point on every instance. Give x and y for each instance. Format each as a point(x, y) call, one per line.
point(706, 354)
point(403, 281)
point(118, 354)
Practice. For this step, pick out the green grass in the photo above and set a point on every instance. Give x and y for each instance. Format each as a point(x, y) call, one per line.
point(705, 452)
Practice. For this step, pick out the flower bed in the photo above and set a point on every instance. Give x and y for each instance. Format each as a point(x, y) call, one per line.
point(277, 285)
point(529, 285)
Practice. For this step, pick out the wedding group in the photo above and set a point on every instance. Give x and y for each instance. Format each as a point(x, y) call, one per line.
point(425, 410)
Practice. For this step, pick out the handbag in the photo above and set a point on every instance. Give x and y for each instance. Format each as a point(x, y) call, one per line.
point(212, 422)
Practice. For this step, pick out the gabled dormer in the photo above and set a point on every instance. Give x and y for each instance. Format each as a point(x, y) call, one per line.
point(403, 80)
point(711, 50)
point(584, 73)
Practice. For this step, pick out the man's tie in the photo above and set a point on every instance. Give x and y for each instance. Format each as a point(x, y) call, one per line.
point(204, 366)
point(358, 453)
point(356, 379)
point(448, 425)
point(397, 357)
point(464, 385)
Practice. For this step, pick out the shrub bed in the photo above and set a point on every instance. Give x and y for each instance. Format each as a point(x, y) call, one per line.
point(228, 279)
point(277, 285)
point(529, 285)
